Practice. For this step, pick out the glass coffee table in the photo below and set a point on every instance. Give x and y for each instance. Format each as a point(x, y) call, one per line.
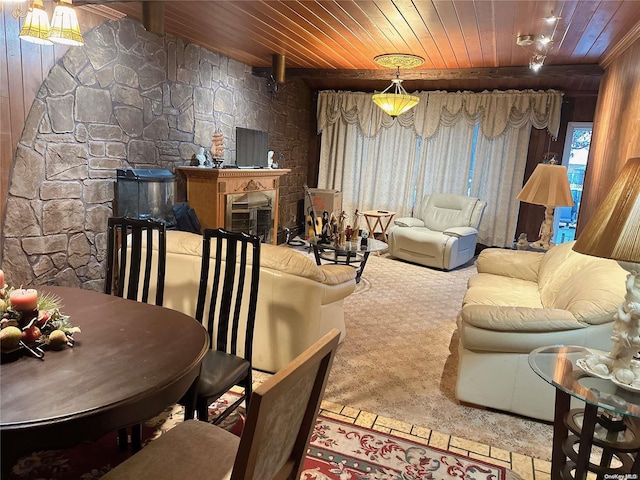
point(351, 253)
point(599, 438)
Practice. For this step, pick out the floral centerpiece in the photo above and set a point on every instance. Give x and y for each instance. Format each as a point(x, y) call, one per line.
point(30, 321)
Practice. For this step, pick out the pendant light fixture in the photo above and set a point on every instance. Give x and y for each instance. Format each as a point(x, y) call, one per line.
point(65, 28)
point(36, 25)
point(397, 101)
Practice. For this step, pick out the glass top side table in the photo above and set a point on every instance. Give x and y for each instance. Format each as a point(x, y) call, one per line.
point(351, 253)
point(604, 422)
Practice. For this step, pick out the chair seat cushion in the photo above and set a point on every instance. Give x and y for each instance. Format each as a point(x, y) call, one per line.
point(421, 240)
point(219, 370)
point(210, 455)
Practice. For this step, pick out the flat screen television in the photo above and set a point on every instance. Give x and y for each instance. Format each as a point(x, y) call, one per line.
point(251, 147)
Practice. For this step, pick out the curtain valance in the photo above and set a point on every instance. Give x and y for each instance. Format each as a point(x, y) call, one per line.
point(497, 110)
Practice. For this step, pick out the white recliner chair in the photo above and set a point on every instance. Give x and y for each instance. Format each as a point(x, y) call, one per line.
point(443, 234)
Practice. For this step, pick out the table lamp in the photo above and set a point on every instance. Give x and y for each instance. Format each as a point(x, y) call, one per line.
point(614, 232)
point(548, 186)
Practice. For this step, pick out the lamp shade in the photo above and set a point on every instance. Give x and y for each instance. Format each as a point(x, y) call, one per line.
point(614, 230)
point(548, 185)
point(65, 28)
point(36, 25)
point(395, 104)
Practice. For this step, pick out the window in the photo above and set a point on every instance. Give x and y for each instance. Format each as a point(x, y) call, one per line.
point(576, 150)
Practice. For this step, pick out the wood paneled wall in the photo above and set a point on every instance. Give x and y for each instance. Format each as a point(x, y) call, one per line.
point(616, 129)
point(23, 66)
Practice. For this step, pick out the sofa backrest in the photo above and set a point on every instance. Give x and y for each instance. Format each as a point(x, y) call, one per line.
point(589, 287)
point(440, 211)
point(276, 258)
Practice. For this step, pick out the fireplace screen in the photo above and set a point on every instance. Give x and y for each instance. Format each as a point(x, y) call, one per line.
point(251, 213)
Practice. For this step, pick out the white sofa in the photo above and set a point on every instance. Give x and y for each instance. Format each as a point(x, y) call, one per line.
point(298, 301)
point(519, 301)
point(443, 234)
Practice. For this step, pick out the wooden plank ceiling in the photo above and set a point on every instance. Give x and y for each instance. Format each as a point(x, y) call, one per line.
point(466, 44)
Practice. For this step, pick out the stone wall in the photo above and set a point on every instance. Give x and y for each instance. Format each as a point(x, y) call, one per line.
point(130, 99)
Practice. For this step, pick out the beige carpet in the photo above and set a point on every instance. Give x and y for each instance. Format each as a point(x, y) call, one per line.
point(399, 358)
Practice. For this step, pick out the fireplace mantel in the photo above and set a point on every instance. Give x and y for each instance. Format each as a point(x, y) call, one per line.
point(208, 190)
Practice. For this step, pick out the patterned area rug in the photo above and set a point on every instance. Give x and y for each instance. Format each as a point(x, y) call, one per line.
point(342, 451)
point(338, 451)
point(399, 358)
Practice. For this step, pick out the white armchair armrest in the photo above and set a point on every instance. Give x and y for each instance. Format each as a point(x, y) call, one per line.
point(460, 231)
point(409, 222)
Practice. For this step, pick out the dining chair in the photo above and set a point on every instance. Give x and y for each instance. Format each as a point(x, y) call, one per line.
point(226, 306)
point(124, 258)
point(275, 439)
point(126, 266)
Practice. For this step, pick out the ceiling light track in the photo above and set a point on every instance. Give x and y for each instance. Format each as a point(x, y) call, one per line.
point(539, 46)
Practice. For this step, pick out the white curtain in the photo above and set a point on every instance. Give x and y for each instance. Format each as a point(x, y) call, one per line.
point(445, 159)
point(497, 179)
point(379, 162)
point(370, 171)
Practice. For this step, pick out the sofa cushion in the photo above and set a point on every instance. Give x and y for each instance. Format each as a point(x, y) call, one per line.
point(522, 319)
point(510, 263)
point(443, 211)
point(589, 287)
point(488, 289)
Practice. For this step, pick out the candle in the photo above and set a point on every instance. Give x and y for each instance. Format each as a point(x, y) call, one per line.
point(1, 279)
point(24, 300)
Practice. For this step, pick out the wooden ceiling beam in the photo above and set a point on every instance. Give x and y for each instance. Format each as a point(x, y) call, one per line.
point(438, 74)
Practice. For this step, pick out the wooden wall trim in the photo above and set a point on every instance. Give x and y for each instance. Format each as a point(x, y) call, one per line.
point(614, 52)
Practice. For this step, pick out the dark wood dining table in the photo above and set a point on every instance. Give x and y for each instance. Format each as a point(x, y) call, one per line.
point(130, 361)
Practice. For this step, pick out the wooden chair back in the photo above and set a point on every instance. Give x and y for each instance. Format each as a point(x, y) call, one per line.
point(228, 291)
point(282, 415)
point(125, 265)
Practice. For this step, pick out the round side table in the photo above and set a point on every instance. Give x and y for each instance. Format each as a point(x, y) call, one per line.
point(605, 421)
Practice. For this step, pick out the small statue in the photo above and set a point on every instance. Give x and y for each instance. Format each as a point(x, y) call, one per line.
point(522, 243)
point(326, 228)
point(202, 159)
point(342, 228)
point(333, 225)
point(364, 241)
point(356, 223)
point(217, 145)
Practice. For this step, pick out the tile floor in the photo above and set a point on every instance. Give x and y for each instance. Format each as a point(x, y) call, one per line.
point(527, 468)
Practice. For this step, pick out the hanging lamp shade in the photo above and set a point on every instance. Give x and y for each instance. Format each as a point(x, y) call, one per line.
point(36, 25)
point(398, 101)
point(65, 28)
point(395, 103)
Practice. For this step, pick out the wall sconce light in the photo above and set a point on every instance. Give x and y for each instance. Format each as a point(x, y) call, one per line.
point(64, 27)
point(276, 80)
point(36, 25)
